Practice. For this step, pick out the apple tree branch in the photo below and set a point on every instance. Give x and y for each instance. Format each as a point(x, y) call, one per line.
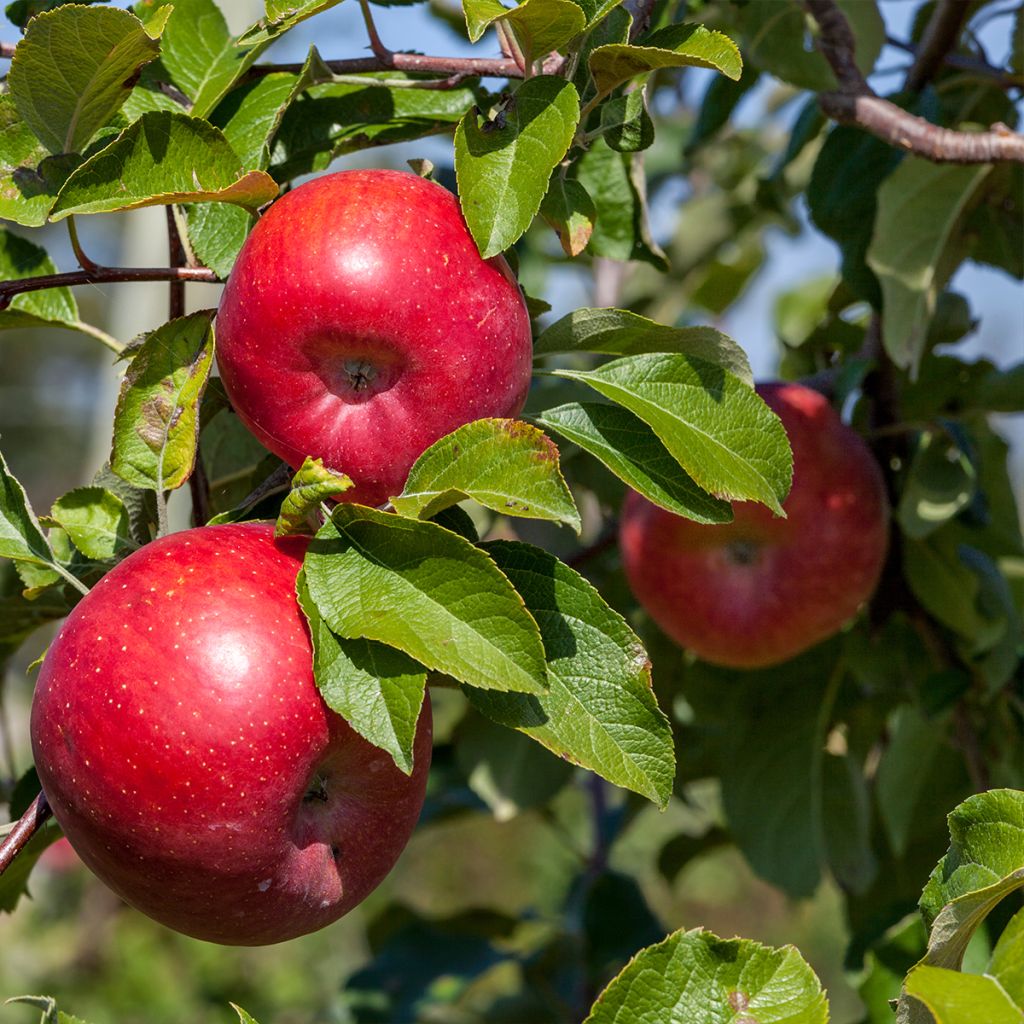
point(856, 102)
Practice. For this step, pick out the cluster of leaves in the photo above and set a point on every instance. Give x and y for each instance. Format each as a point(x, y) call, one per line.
point(692, 977)
point(842, 763)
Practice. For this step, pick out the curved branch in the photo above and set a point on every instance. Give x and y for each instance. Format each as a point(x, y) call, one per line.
point(974, 65)
point(916, 135)
point(102, 275)
point(939, 38)
point(856, 103)
point(26, 827)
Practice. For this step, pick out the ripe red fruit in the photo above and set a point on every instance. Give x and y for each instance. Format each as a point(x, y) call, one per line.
point(360, 325)
point(190, 759)
point(762, 589)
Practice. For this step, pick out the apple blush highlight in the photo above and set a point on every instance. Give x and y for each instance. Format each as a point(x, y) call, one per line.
point(761, 589)
point(187, 754)
point(360, 325)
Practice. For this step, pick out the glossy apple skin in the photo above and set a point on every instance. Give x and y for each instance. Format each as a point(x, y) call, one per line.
point(360, 325)
point(189, 758)
point(762, 589)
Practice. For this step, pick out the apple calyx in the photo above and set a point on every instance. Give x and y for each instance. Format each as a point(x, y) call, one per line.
point(742, 552)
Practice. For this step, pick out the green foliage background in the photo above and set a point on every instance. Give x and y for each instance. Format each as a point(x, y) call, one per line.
point(809, 802)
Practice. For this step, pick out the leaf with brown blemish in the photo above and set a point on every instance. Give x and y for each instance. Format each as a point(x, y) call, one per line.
point(156, 422)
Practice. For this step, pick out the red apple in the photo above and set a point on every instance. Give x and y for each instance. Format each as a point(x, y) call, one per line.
point(360, 325)
point(188, 756)
point(762, 589)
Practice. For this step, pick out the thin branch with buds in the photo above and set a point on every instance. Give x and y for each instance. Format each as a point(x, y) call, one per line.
point(103, 275)
point(857, 103)
point(24, 829)
point(453, 67)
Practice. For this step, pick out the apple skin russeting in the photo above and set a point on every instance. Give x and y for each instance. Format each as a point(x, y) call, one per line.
point(360, 325)
point(186, 752)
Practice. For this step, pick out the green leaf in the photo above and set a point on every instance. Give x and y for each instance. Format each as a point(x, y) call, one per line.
point(249, 116)
point(163, 158)
point(20, 12)
point(377, 689)
point(330, 120)
point(622, 333)
point(97, 522)
point(29, 179)
point(776, 34)
point(479, 14)
point(1007, 963)
point(14, 881)
point(995, 225)
point(599, 711)
point(217, 231)
point(697, 978)
point(19, 616)
point(1001, 391)
point(20, 258)
point(503, 164)
point(416, 586)
point(505, 769)
point(616, 183)
point(243, 1017)
point(597, 10)
point(235, 462)
point(940, 483)
point(504, 465)
point(957, 998)
point(632, 451)
point(677, 46)
point(952, 582)
point(919, 206)
point(21, 537)
point(792, 807)
point(156, 422)
point(281, 16)
point(252, 113)
point(720, 99)
point(712, 424)
point(199, 53)
point(312, 485)
point(625, 123)
point(540, 25)
point(74, 69)
point(568, 208)
point(139, 503)
point(903, 772)
point(842, 199)
point(799, 310)
point(984, 863)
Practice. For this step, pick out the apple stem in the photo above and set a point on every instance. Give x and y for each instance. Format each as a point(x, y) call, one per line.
point(162, 525)
point(35, 816)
